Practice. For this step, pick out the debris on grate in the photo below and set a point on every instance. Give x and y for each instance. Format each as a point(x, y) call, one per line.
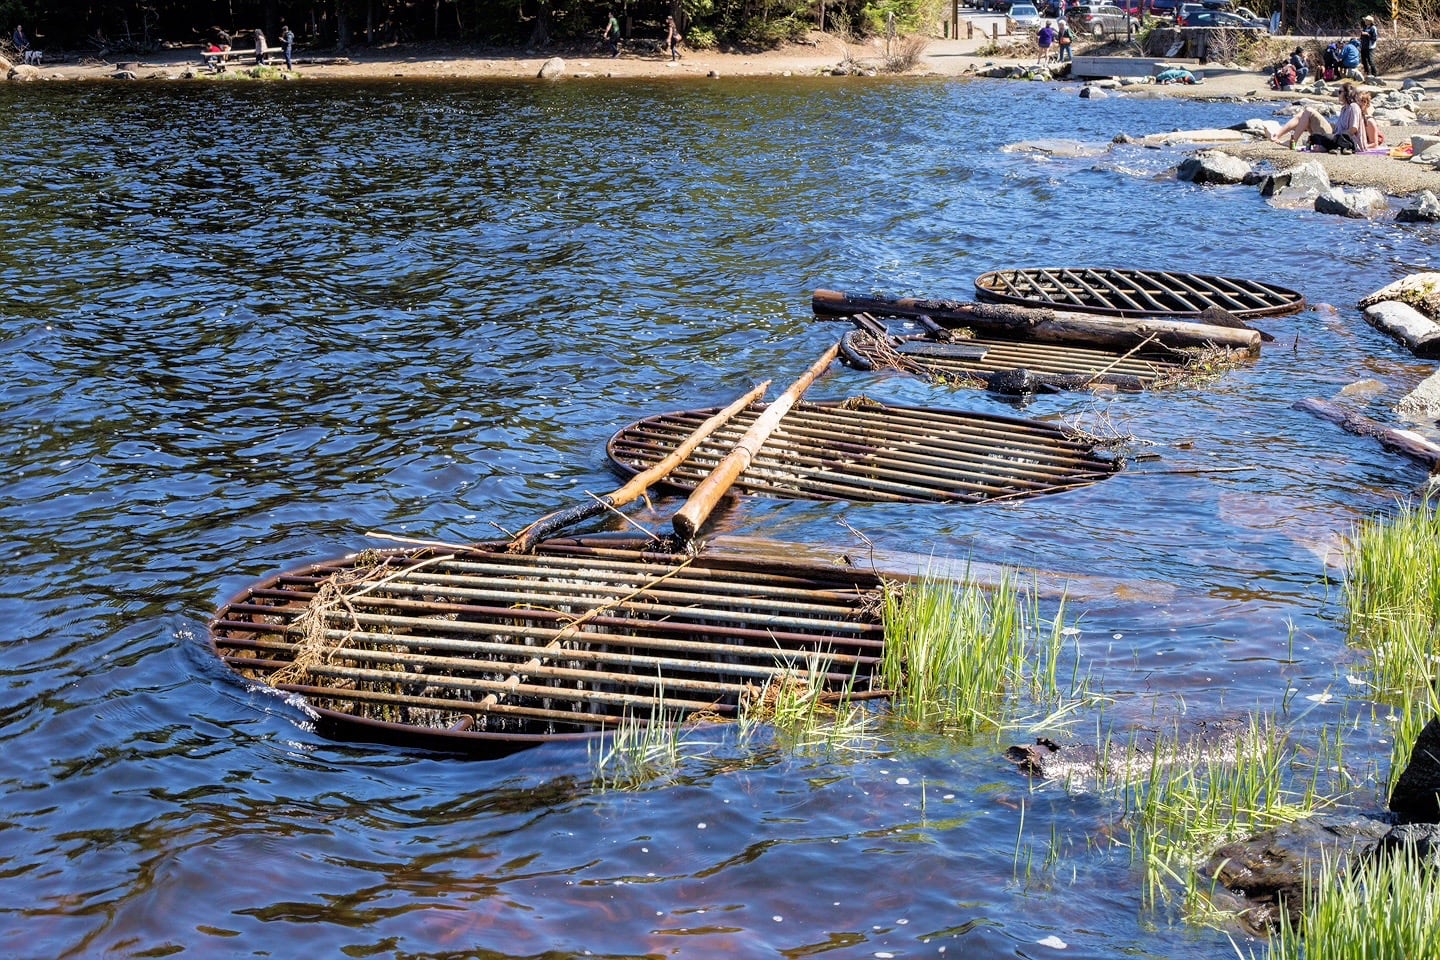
point(865, 451)
point(1136, 293)
point(484, 651)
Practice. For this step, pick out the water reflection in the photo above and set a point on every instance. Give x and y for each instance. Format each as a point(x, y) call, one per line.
point(423, 308)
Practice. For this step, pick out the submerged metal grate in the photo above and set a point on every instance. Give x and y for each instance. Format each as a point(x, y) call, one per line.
point(1135, 293)
point(1061, 366)
point(487, 651)
point(869, 452)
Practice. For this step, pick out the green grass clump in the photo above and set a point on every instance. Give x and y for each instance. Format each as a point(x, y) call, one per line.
point(961, 657)
point(1392, 588)
point(1196, 799)
point(1387, 908)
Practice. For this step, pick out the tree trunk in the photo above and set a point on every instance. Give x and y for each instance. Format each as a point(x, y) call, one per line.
point(540, 33)
point(342, 25)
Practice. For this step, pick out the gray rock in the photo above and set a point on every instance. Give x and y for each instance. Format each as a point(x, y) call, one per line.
point(1362, 204)
point(1255, 127)
point(1093, 93)
point(24, 73)
point(1212, 166)
point(1422, 403)
point(1416, 797)
point(1297, 187)
point(1397, 116)
point(552, 68)
point(124, 75)
point(1425, 210)
point(1421, 839)
point(1270, 869)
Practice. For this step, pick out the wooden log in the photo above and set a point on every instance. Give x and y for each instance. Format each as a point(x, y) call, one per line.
point(1405, 442)
point(697, 509)
point(1406, 324)
point(557, 520)
point(1049, 326)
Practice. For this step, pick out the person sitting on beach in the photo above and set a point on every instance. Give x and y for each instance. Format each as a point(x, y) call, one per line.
point(1284, 77)
point(1046, 39)
point(1345, 136)
point(1374, 138)
point(1350, 61)
point(1302, 67)
point(1330, 61)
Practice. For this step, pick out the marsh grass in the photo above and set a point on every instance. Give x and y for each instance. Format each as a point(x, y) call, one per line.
point(791, 712)
point(1392, 590)
point(1386, 908)
point(962, 657)
point(1193, 800)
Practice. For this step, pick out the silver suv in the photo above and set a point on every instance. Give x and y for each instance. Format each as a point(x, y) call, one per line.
point(1098, 20)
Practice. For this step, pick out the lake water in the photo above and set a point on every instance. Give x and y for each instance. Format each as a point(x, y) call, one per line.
point(245, 324)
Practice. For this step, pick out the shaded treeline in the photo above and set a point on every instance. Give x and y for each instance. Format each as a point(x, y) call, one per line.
point(142, 24)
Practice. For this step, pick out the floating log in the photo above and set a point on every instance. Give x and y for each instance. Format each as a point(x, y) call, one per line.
point(691, 517)
point(550, 523)
point(1050, 326)
point(1405, 442)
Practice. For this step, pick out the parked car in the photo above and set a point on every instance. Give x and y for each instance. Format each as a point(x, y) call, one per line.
point(1098, 19)
point(1025, 16)
point(1161, 8)
point(1220, 18)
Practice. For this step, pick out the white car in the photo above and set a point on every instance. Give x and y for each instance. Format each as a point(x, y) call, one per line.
point(1025, 16)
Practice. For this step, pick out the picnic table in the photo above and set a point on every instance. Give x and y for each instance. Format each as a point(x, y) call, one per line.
point(217, 60)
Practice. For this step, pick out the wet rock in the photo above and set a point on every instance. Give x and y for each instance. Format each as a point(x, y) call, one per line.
point(1093, 93)
point(1297, 187)
point(1406, 324)
point(124, 75)
point(552, 68)
point(1212, 166)
point(1362, 204)
point(1018, 383)
point(1363, 388)
point(1078, 764)
point(1419, 290)
point(1416, 797)
point(1423, 839)
point(1270, 869)
point(1426, 209)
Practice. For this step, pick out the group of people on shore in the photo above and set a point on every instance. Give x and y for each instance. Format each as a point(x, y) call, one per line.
point(611, 36)
point(1049, 37)
point(1352, 59)
point(1353, 131)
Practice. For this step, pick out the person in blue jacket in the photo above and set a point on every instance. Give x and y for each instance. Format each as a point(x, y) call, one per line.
point(1350, 61)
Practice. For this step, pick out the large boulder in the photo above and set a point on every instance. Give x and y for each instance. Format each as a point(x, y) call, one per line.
point(1297, 187)
point(1212, 166)
point(1363, 204)
point(552, 68)
point(1416, 796)
point(1425, 209)
point(1419, 290)
point(1422, 403)
point(1271, 869)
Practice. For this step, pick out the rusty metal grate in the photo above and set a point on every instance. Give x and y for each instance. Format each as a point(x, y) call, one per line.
point(1135, 293)
point(490, 652)
point(870, 452)
point(995, 362)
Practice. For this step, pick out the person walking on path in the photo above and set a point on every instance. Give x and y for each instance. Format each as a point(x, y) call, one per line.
point(672, 38)
point(1369, 36)
point(287, 41)
point(1046, 39)
point(259, 47)
point(612, 35)
point(1064, 37)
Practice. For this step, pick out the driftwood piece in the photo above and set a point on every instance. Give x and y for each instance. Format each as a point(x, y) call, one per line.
point(1052, 326)
point(1406, 324)
point(558, 520)
point(691, 517)
point(1405, 442)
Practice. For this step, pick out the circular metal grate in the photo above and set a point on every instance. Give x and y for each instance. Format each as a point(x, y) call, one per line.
point(1135, 293)
point(869, 452)
point(490, 652)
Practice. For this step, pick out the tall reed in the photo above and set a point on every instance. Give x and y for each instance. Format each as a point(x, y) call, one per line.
point(960, 656)
point(1392, 590)
point(1386, 908)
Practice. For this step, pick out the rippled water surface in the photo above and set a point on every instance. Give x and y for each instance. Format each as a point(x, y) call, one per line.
point(245, 324)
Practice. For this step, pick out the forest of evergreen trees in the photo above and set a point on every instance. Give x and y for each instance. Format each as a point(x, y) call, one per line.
point(138, 25)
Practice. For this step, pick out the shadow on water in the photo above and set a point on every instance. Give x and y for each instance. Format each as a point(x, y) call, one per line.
point(249, 323)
